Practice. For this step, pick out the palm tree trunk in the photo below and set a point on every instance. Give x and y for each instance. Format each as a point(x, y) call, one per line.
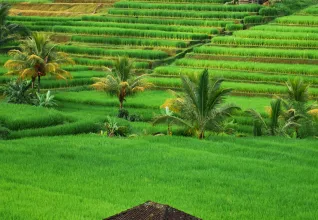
point(33, 81)
point(201, 135)
point(169, 130)
point(39, 79)
point(121, 97)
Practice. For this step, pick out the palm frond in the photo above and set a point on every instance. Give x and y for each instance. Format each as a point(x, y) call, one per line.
point(275, 112)
point(50, 68)
point(202, 91)
point(123, 68)
point(35, 59)
point(163, 119)
point(216, 97)
point(14, 64)
point(257, 117)
point(29, 72)
point(190, 91)
point(297, 90)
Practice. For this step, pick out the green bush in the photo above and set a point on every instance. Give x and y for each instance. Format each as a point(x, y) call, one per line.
point(78, 127)
point(17, 91)
point(17, 117)
point(234, 27)
point(254, 19)
point(268, 11)
point(4, 132)
point(123, 113)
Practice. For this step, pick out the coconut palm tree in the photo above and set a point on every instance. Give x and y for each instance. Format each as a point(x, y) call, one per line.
point(8, 31)
point(298, 96)
point(38, 58)
point(122, 82)
point(298, 103)
point(200, 104)
point(278, 123)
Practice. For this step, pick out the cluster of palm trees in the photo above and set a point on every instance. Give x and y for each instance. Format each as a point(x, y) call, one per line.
point(291, 116)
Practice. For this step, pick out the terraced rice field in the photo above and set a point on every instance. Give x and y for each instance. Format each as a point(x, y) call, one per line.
point(254, 62)
point(258, 60)
point(61, 8)
point(151, 33)
point(81, 176)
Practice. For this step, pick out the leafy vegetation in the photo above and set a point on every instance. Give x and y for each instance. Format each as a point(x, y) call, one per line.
point(8, 31)
point(200, 104)
point(36, 59)
point(122, 82)
point(284, 115)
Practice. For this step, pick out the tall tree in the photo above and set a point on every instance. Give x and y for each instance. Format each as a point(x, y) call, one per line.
point(122, 82)
point(37, 58)
point(202, 103)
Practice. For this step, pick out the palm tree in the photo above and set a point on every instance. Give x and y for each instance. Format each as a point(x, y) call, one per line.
point(298, 96)
point(278, 123)
point(297, 103)
point(8, 32)
point(37, 58)
point(200, 103)
point(122, 81)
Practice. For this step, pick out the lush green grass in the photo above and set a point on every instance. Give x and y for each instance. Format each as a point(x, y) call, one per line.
point(124, 25)
point(179, 13)
point(298, 20)
point(17, 117)
point(299, 69)
point(254, 42)
point(196, 7)
point(154, 98)
point(280, 28)
point(257, 52)
point(258, 34)
point(92, 177)
point(172, 22)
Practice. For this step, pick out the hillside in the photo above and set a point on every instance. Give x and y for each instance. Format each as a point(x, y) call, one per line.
point(190, 36)
point(68, 152)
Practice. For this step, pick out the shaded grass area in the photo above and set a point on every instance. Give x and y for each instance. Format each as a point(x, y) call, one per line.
point(17, 117)
point(92, 177)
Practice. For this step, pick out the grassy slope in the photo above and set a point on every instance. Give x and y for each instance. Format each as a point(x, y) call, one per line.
point(91, 177)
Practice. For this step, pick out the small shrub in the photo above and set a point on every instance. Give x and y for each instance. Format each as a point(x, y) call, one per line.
point(254, 19)
point(111, 127)
point(17, 91)
point(4, 132)
point(134, 118)
point(123, 113)
point(268, 11)
point(308, 128)
point(234, 27)
point(45, 100)
point(122, 131)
